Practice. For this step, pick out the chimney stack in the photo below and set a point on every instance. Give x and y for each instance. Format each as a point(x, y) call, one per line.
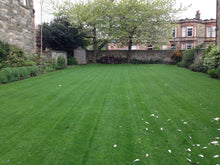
point(198, 15)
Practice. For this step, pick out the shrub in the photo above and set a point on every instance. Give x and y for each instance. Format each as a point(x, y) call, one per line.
point(213, 73)
point(188, 57)
point(4, 51)
point(61, 63)
point(212, 59)
point(14, 74)
point(218, 71)
point(198, 67)
point(72, 61)
point(16, 57)
point(176, 56)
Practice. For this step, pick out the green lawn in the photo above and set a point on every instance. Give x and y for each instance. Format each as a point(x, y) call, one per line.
point(77, 115)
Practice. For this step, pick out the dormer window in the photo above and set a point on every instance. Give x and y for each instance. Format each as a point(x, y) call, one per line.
point(24, 2)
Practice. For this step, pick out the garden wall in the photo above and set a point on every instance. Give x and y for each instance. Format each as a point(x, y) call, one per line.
point(135, 54)
point(54, 54)
point(144, 55)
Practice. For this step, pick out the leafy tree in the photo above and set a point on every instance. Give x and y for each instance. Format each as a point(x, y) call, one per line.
point(143, 21)
point(127, 21)
point(96, 19)
point(60, 35)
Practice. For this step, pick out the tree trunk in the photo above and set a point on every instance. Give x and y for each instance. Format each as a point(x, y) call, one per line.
point(129, 51)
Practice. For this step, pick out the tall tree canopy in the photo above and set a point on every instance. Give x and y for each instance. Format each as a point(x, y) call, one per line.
point(127, 21)
point(60, 35)
point(95, 18)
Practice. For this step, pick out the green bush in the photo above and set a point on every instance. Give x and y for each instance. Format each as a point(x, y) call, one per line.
point(16, 57)
point(213, 73)
point(218, 71)
point(198, 67)
point(61, 63)
point(4, 51)
point(188, 57)
point(212, 59)
point(72, 61)
point(14, 74)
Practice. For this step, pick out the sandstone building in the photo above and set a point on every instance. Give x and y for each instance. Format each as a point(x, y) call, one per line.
point(192, 32)
point(17, 24)
point(187, 34)
point(218, 22)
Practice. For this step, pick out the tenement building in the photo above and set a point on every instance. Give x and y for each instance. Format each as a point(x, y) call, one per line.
point(189, 33)
point(17, 24)
point(218, 22)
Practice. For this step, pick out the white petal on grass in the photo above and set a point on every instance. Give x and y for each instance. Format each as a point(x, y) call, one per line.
point(202, 156)
point(185, 122)
point(189, 149)
point(217, 137)
point(190, 137)
point(204, 147)
point(136, 160)
point(216, 119)
point(169, 151)
point(157, 117)
point(146, 129)
point(115, 145)
point(168, 119)
point(179, 130)
point(215, 143)
point(216, 156)
point(161, 129)
point(60, 85)
point(147, 155)
point(147, 122)
point(198, 145)
point(189, 160)
point(218, 129)
point(152, 115)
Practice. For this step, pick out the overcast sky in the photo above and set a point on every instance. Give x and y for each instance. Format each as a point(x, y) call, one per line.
point(207, 9)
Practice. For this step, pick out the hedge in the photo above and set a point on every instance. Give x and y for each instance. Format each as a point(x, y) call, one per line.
point(17, 73)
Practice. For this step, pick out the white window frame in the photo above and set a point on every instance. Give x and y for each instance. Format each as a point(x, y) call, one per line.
point(164, 47)
point(189, 45)
point(184, 46)
point(183, 31)
point(134, 47)
point(209, 31)
point(24, 2)
point(190, 29)
point(213, 31)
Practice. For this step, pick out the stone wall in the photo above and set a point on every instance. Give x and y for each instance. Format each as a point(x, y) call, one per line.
point(17, 24)
point(135, 54)
point(54, 54)
point(141, 55)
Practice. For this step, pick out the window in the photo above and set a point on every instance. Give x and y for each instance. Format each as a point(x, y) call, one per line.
point(164, 47)
point(134, 47)
point(150, 47)
point(183, 46)
point(174, 32)
point(190, 31)
point(183, 31)
point(213, 31)
point(208, 31)
point(24, 2)
point(173, 46)
point(189, 45)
